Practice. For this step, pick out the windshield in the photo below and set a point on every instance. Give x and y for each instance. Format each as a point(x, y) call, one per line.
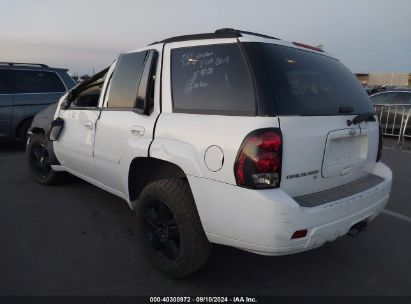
point(306, 83)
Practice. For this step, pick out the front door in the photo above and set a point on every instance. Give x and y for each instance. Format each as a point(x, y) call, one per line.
point(74, 148)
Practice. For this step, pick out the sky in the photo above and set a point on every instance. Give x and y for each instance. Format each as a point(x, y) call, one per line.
point(87, 35)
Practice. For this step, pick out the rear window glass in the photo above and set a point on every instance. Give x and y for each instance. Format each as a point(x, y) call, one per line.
point(306, 83)
point(212, 79)
point(37, 82)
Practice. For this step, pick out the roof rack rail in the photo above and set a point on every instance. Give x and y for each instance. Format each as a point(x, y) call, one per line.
point(24, 63)
point(231, 30)
point(220, 33)
point(199, 37)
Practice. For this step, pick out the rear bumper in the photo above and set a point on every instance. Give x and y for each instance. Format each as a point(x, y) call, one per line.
point(263, 221)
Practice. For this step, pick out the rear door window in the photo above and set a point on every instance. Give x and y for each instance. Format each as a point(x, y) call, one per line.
point(307, 83)
point(126, 80)
point(212, 79)
point(26, 81)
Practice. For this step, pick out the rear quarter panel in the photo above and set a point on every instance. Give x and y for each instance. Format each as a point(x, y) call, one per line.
point(183, 139)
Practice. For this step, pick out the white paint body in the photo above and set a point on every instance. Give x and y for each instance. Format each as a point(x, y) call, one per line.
point(99, 146)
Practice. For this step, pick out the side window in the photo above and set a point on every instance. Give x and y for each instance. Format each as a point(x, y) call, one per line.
point(5, 82)
point(88, 96)
point(37, 82)
point(212, 79)
point(383, 98)
point(404, 98)
point(125, 81)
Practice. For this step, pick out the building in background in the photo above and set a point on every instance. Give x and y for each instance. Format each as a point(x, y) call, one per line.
point(385, 79)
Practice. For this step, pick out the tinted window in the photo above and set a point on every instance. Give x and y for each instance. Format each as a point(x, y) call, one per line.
point(404, 98)
point(126, 79)
point(212, 79)
point(37, 82)
point(5, 83)
point(306, 83)
point(384, 98)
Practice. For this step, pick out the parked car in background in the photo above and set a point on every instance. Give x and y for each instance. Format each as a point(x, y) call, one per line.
point(26, 89)
point(394, 110)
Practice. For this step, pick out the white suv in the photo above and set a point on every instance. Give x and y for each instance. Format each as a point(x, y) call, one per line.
point(231, 137)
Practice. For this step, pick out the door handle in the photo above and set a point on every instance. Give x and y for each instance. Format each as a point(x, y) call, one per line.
point(137, 130)
point(89, 125)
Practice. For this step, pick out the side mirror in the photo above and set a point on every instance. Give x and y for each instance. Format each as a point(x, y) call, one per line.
point(55, 129)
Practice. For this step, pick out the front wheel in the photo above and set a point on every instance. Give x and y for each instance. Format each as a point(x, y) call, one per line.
point(38, 160)
point(170, 230)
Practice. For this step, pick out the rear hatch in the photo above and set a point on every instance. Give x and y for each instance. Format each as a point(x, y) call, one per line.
point(316, 99)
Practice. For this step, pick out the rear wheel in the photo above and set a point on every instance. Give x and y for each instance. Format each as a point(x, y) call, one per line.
point(170, 230)
point(38, 159)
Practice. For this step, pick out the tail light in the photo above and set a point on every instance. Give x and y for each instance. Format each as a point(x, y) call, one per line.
point(379, 143)
point(258, 162)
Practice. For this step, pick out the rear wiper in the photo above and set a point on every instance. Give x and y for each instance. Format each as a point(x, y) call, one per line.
point(360, 118)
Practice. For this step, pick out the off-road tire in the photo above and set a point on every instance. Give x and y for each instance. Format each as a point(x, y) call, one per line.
point(194, 247)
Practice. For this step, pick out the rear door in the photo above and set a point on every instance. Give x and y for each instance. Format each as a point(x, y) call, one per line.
point(125, 128)
point(316, 98)
point(6, 103)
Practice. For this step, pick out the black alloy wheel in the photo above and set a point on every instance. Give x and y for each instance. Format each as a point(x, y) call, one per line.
point(169, 228)
point(162, 230)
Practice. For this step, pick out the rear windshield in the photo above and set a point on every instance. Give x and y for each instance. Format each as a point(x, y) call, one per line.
point(306, 83)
